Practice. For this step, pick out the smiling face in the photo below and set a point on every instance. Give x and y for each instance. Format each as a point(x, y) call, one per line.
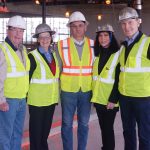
point(78, 29)
point(45, 40)
point(15, 35)
point(104, 39)
point(130, 26)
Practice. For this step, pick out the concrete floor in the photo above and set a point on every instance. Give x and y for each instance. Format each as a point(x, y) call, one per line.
point(94, 139)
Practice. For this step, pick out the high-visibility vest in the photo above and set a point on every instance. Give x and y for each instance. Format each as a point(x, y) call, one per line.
point(17, 81)
point(44, 86)
point(134, 78)
point(76, 73)
point(102, 84)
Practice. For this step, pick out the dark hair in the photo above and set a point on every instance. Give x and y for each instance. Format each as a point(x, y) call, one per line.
point(113, 44)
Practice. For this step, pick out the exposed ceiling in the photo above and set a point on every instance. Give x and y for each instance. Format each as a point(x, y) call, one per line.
point(65, 2)
point(3, 4)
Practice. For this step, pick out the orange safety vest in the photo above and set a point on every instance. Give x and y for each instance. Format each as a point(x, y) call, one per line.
point(77, 72)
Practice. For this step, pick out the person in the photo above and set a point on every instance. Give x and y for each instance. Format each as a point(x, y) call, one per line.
point(14, 84)
point(43, 92)
point(134, 81)
point(77, 57)
point(105, 83)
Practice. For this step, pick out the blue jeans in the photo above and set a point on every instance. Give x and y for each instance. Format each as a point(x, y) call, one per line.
point(135, 111)
point(11, 124)
point(70, 102)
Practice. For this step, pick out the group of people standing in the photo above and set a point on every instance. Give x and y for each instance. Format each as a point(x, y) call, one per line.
point(99, 72)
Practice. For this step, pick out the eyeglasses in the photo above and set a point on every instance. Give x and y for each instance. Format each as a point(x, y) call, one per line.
point(16, 30)
point(44, 37)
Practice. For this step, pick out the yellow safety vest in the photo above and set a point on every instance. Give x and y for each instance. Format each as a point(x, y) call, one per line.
point(44, 86)
point(76, 73)
point(134, 78)
point(102, 84)
point(17, 81)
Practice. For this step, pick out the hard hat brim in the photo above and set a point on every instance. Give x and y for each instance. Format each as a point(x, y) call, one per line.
point(68, 24)
point(128, 18)
point(104, 31)
point(36, 35)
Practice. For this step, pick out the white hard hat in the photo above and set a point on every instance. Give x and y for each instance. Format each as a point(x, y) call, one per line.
point(42, 28)
point(105, 27)
point(76, 16)
point(127, 13)
point(17, 21)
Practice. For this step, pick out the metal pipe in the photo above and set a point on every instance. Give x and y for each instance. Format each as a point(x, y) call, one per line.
point(138, 7)
point(138, 4)
point(44, 11)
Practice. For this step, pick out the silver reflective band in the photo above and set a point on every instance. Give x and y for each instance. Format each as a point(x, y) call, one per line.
point(138, 67)
point(143, 69)
point(65, 51)
point(113, 64)
point(139, 54)
point(14, 72)
point(68, 70)
point(111, 81)
point(43, 71)
point(92, 51)
point(44, 81)
point(17, 74)
point(111, 70)
point(12, 61)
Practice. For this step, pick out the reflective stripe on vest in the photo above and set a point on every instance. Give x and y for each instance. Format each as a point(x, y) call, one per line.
point(109, 79)
point(138, 67)
point(95, 78)
point(43, 79)
point(14, 72)
point(75, 70)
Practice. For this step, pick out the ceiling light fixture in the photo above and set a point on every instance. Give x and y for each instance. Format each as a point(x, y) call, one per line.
point(108, 2)
point(99, 17)
point(67, 14)
point(37, 2)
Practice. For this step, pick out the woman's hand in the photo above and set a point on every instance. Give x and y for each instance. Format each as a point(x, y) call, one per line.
point(110, 105)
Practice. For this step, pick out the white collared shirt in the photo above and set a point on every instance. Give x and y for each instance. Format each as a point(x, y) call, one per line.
point(78, 42)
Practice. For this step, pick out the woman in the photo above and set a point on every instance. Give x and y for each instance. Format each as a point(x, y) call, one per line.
point(105, 83)
point(43, 92)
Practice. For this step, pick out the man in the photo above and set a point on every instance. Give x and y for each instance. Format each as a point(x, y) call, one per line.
point(14, 82)
point(77, 58)
point(134, 82)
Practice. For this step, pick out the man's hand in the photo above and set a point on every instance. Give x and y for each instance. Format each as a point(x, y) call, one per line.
point(110, 105)
point(4, 106)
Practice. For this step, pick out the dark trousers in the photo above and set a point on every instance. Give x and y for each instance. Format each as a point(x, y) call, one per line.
point(40, 122)
point(135, 111)
point(106, 122)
